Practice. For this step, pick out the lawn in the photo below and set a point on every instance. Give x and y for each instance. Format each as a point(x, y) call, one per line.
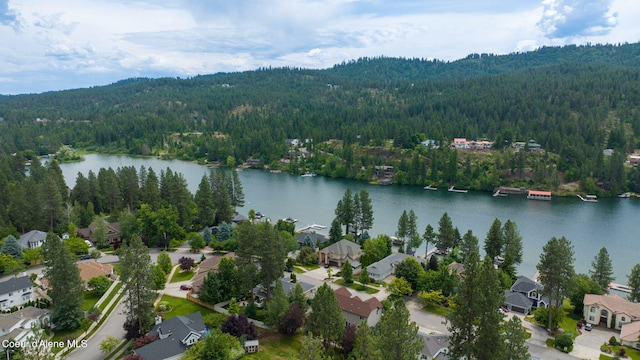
point(90, 299)
point(631, 353)
point(277, 346)
point(183, 307)
point(182, 276)
point(439, 310)
point(111, 295)
point(299, 270)
point(357, 287)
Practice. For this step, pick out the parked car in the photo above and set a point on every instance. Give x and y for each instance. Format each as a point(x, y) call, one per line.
point(504, 308)
point(185, 287)
point(588, 327)
point(85, 257)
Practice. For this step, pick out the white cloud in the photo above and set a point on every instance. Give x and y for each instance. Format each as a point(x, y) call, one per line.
point(71, 43)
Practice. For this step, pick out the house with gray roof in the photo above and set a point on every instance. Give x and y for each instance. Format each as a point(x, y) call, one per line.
point(16, 291)
point(260, 292)
point(32, 240)
point(386, 267)
point(338, 253)
point(436, 347)
point(311, 239)
point(174, 337)
point(18, 325)
point(525, 295)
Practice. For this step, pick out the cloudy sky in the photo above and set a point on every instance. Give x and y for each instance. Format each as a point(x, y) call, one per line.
point(62, 44)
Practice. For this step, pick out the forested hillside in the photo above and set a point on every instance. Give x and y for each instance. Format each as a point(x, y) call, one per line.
point(574, 101)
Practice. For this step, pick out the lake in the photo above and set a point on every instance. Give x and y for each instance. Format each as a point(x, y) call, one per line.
point(613, 223)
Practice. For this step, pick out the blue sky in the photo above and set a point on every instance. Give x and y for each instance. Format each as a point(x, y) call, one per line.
point(64, 44)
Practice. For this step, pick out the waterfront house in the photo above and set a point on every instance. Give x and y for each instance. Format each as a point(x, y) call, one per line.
point(354, 309)
point(16, 291)
point(338, 253)
point(18, 325)
point(630, 334)
point(311, 239)
point(436, 347)
point(525, 296)
point(386, 267)
point(174, 337)
point(612, 311)
point(32, 240)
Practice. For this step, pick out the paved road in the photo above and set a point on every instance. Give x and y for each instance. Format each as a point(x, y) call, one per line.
point(112, 326)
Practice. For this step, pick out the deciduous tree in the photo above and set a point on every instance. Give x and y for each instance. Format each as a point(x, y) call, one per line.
point(164, 260)
point(347, 272)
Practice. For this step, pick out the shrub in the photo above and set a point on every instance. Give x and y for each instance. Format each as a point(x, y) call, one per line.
point(613, 341)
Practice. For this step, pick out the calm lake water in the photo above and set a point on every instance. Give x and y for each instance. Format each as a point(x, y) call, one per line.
point(613, 223)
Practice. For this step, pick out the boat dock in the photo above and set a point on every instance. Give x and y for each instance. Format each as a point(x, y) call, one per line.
point(429, 187)
point(619, 287)
point(539, 195)
point(452, 189)
point(588, 198)
point(498, 193)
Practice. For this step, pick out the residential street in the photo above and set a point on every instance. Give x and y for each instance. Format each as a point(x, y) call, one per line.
point(112, 326)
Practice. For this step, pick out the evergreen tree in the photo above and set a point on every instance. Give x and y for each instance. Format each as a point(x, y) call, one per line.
point(345, 210)
point(462, 320)
point(11, 247)
point(335, 232)
point(135, 274)
point(276, 306)
point(363, 277)
point(158, 277)
point(446, 235)
point(514, 337)
point(326, 317)
point(204, 203)
point(297, 296)
point(412, 232)
point(488, 343)
point(403, 226)
point(602, 269)
point(494, 241)
point(429, 237)
point(556, 272)
point(512, 249)
point(396, 336)
point(365, 347)
point(237, 195)
point(633, 280)
point(468, 245)
point(66, 285)
point(149, 188)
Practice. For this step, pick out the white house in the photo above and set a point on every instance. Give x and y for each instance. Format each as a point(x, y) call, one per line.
point(18, 325)
point(612, 311)
point(380, 270)
point(16, 291)
point(33, 239)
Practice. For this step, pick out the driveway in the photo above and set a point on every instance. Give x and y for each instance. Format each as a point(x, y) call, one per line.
point(587, 345)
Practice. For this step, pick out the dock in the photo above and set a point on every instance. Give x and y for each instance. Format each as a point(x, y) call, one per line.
point(512, 190)
point(429, 187)
point(498, 193)
point(452, 189)
point(619, 287)
point(588, 198)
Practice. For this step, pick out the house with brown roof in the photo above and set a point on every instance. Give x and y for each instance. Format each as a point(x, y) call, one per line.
point(612, 311)
point(206, 266)
point(338, 253)
point(91, 269)
point(354, 309)
point(113, 232)
point(630, 334)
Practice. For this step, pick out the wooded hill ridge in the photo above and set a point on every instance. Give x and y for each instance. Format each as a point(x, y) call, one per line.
point(575, 101)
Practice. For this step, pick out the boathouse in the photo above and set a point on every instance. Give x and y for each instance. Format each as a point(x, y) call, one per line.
point(539, 195)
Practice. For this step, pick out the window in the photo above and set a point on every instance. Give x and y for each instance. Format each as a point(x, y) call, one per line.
point(593, 309)
point(591, 318)
point(623, 319)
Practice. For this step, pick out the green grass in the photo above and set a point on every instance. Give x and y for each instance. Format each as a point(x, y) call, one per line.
point(111, 295)
point(631, 353)
point(183, 307)
point(310, 267)
point(90, 299)
point(357, 287)
point(278, 347)
point(182, 275)
point(439, 310)
point(299, 270)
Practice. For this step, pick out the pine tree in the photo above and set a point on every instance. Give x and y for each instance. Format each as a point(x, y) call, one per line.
point(326, 317)
point(429, 237)
point(276, 306)
point(363, 211)
point(335, 232)
point(468, 245)
point(494, 240)
point(512, 248)
point(347, 272)
point(412, 232)
point(488, 343)
point(446, 236)
point(135, 265)
point(345, 210)
point(396, 336)
point(403, 226)
point(633, 280)
point(365, 347)
point(556, 272)
point(237, 192)
point(66, 285)
point(514, 337)
point(602, 271)
point(204, 202)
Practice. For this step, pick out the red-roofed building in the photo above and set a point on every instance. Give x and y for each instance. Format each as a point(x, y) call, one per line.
point(611, 311)
point(354, 310)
